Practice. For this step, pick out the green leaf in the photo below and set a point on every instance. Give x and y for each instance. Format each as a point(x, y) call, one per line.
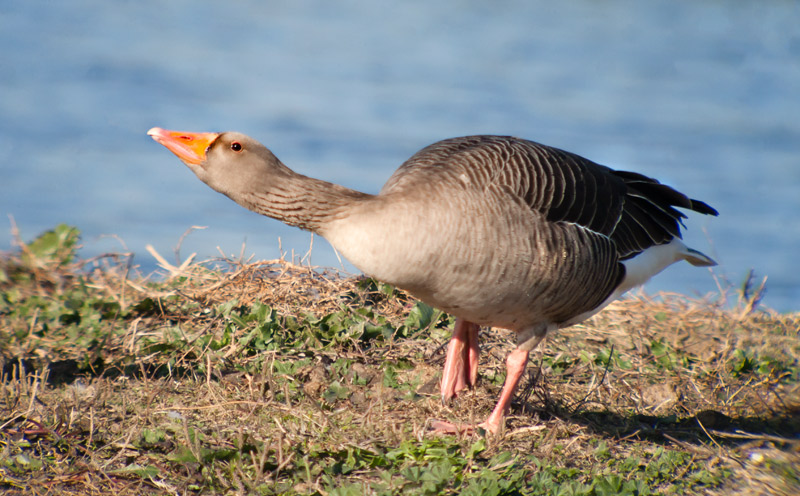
point(145, 471)
point(151, 436)
point(56, 245)
point(182, 454)
point(390, 376)
point(336, 391)
point(478, 446)
point(421, 316)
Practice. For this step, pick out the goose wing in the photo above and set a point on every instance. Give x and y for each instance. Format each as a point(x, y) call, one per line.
point(632, 210)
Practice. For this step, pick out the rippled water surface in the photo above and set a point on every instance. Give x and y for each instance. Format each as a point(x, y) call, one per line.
point(703, 95)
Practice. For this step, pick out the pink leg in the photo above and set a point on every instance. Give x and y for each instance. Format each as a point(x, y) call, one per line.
point(473, 354)
point(461, 362)
point(515, 366)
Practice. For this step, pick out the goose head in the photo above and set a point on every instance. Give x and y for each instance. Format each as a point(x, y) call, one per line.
point(231, 163)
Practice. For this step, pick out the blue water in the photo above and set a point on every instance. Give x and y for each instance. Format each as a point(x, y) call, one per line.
point(703, 95)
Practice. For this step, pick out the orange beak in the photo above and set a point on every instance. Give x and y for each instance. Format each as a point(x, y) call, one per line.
point(189, 147)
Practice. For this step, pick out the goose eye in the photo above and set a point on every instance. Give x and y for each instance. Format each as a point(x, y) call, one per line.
point(236, 146)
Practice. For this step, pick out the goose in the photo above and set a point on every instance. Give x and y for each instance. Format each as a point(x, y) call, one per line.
point(495, 230)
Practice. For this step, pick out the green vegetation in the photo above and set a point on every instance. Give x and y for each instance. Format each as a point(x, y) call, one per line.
point(274, 378)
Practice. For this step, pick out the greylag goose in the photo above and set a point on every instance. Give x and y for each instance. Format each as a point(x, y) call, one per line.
point(497, 231)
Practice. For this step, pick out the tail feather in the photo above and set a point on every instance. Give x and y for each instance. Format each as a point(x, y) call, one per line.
point(698, 259)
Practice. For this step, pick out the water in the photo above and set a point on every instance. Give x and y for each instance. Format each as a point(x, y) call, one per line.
point(703, 95)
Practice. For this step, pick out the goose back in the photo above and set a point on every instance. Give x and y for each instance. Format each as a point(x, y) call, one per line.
point(634, 211)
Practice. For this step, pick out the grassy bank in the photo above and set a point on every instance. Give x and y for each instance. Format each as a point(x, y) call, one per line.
point(274, 378)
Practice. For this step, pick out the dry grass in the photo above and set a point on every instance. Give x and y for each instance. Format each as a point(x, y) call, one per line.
point(115, 384)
